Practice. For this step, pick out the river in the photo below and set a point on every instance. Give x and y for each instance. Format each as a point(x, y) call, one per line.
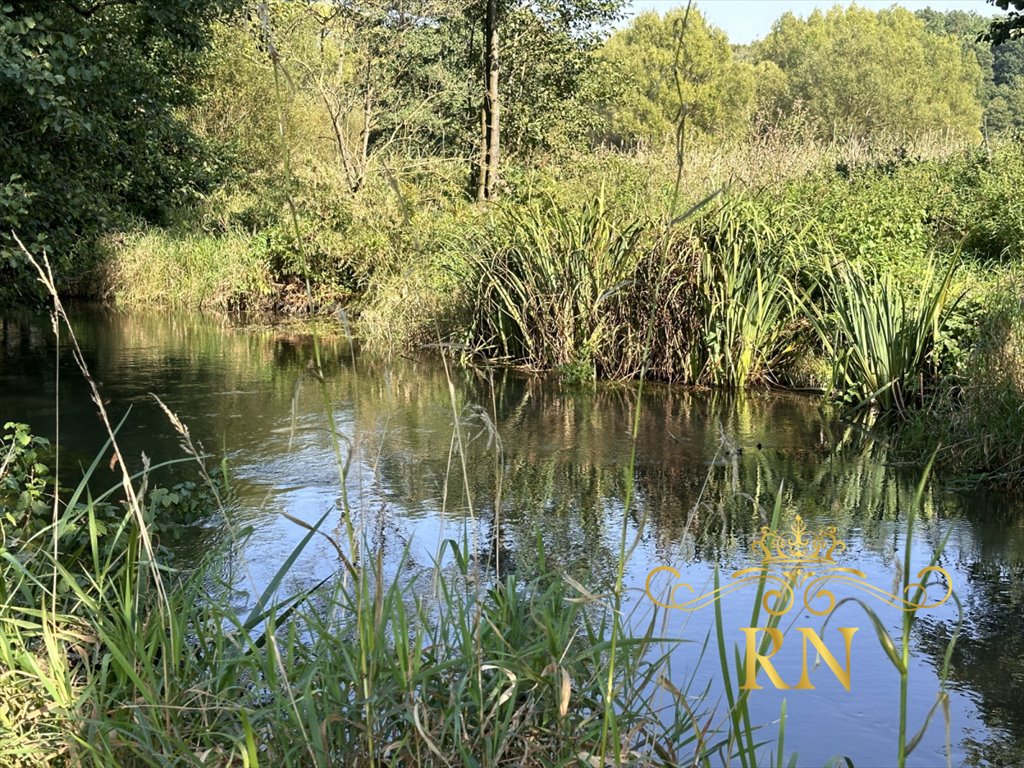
point(547, 462)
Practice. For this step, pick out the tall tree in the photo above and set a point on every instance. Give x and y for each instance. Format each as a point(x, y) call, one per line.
point(490, 119)
point(861, 74)
point(90, 124)
point(715, 90)
point(531, 98)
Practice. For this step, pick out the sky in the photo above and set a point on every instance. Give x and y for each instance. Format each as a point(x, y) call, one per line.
point(747, 20)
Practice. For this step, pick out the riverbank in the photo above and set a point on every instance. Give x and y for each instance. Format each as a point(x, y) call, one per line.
point(575, 272)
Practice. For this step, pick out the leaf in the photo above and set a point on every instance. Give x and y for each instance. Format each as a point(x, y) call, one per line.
point(880, 631)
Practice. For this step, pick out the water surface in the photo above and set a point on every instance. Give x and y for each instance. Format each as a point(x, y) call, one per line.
point(546, 462)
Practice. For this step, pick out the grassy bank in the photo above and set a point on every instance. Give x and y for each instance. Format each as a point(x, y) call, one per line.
point(876, 275)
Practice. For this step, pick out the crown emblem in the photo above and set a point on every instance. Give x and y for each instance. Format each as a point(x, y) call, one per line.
point(798, 550)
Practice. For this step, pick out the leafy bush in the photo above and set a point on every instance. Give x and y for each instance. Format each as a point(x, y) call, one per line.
point(28, 488)
point(91, 133)
point(989, 210)
point(25, 478)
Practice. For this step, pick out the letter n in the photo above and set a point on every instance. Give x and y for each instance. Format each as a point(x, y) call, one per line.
point(843, 675)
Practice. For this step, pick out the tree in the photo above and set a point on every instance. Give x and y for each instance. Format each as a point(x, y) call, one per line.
point(867, 75)
point(1002, 65)
point(714, 91)
point(1009, 28)
point(380, 70)
point(490, 118)
point(90, 128)
point(546, 55)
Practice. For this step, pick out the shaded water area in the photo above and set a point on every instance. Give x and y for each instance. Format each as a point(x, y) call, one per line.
point(546, 465)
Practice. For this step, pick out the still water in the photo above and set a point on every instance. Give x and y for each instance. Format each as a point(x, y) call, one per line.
point(544, 463)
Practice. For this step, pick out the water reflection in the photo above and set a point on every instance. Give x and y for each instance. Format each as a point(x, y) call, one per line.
point(548, 463)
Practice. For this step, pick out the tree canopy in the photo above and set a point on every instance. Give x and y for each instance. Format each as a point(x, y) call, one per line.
point(89, 127)
point(1011, 27)
point(863, 74)
point(1002, 65)
point(714, 90)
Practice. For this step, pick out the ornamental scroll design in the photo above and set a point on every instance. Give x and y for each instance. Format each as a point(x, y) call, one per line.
point(800, 561)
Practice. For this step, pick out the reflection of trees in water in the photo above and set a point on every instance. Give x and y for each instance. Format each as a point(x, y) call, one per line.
point(702, 485)
point(216, 377)
point(563, 479)
point(988, 659)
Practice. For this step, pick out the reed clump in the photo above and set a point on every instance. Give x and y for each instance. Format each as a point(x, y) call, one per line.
point(882, 342)
point(574, 291)
point(541, 288)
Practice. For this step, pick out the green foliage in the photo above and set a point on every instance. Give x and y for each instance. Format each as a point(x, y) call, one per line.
point(747, 299)
point(881, 341)
point(89, 129)
point(548, 70)
point(861, 74)
point(975, 410)
point(877, 214)
point(1002, 65)
point(713, 91)
point(988, 211)
point(28, 506)
point(25, 478)
point(540, 290)
point(1008, 27)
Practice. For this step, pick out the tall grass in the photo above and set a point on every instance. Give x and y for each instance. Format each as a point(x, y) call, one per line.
point(110, 678)
point(541, 293)
point(748, 299)
point(574, 291)
point(172, 268)
point(882, 342)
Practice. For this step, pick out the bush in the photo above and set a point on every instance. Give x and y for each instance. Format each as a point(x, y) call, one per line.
point(977, 413)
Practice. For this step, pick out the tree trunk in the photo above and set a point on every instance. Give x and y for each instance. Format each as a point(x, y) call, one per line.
point(490, 124)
